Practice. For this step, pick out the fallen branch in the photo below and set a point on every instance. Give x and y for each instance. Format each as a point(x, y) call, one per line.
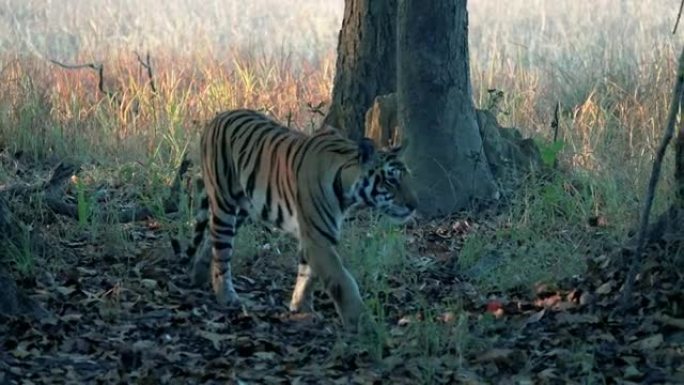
point(171, 202)
point(54, 189)
point(58, 178)
point(675, 106)
point(97, 67)
point(670, 321)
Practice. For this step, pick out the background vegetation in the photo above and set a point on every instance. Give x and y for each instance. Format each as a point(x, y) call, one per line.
point(609, 64)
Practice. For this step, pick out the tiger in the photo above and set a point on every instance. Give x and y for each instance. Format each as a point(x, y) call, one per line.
point(304, 185)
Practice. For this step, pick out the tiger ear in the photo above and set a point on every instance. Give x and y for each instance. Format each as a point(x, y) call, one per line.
point(366, 150)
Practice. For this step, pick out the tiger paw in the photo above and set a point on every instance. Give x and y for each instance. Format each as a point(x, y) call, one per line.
point(362, 325)
point(303, 318)
point(225, 293)
point(302, 306)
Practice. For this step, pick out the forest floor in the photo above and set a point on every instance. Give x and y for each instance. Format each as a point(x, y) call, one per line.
point(120, 309)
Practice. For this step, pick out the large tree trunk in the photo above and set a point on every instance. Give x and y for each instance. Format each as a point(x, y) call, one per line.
point(436, 110)
point(679, 168)
point(366, 62)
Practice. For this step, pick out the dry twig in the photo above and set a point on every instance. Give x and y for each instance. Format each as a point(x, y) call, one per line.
point(147, 66)
point(679, 16)
point(97, 67)
point(317, 109)
point(555, 123)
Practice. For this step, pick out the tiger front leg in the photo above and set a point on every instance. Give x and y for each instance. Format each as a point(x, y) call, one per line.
point(338, 282)
point(302, 295)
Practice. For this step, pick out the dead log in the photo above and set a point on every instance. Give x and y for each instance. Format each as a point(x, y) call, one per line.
point(54, 190)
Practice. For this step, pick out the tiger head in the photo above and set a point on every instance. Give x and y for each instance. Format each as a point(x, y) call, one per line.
point(385, 182)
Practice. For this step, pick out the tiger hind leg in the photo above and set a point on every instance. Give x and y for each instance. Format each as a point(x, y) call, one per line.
point(199, 250)
point(223, 227)
point(201, 263)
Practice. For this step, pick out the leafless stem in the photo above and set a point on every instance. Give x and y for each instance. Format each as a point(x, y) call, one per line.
point(318, 109)
point(289, 119)
point(555, 123)
point(172, 202)
point(679, 16)
point(675, 108)
point(148, 66)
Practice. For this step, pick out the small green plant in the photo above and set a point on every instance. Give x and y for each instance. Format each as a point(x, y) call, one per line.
point(83, 204)
point(549, 151)
point(540, 237)
point(439, 339)
point(375, 334)
point(21, 253)
point(375, 252)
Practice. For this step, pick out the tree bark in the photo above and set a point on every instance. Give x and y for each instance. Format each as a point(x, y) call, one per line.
point(679, 167)
point(366, 62)
point(436, 110)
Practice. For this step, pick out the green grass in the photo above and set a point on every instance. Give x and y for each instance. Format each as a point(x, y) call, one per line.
point(22, 255)
point(544, 235)
point(375, 253)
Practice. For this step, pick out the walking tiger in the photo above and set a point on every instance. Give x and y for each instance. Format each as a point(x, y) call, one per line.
point(304, 185)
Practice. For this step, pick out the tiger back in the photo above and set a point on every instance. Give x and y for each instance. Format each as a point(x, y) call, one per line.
point(253, 166)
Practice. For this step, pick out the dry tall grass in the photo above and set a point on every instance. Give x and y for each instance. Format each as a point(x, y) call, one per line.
point(608, 63)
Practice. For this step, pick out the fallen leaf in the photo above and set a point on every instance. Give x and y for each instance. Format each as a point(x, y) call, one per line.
point(549, 301)
point(216, 338)
point(269, 356)
point(495, 355)
point(71, 317)
point(20, 351)
point(149, 283)
point(649, 343)
point(65, 290)
point(570, 318)
point(494, 305)
point(670, 321)
point(548, 374)
point(448, 317)
point(605, 288)
point(405, 320)
point(534, 318)
point(632, 372)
